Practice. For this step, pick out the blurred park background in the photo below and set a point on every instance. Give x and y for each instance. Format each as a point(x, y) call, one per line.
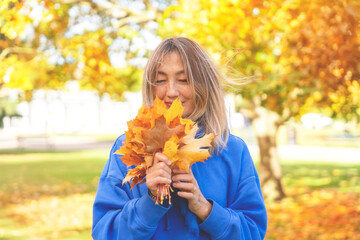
point(70, 79)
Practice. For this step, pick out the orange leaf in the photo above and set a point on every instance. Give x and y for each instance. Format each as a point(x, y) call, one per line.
point(159, 129)
point(137, 175)
point(193, 149)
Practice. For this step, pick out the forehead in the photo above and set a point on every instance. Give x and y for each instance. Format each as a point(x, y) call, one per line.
point(170, 62)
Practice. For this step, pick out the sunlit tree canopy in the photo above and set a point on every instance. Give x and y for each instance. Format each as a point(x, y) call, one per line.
point(102, 44)
point(302, 53)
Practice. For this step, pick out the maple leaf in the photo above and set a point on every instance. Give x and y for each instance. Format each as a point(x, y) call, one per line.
point(192, 150)
point(130, 156)
point(155, 138)
point(158, 129)
point(137, 175)
point(171, 148)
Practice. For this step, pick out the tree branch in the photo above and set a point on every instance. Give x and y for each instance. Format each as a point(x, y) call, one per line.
point(109, 7)
point(134, 19)
point(123, 14)
point(10, 50)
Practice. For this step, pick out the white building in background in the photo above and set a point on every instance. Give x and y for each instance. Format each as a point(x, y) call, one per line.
point(72, 112)
point(83, 112)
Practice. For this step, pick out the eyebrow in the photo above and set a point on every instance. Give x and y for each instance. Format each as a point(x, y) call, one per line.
point(177, 73)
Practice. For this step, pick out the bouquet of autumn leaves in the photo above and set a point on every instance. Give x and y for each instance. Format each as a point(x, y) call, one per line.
point(158, 129)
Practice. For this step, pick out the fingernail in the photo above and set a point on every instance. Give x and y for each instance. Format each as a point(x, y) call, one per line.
point(169, 162)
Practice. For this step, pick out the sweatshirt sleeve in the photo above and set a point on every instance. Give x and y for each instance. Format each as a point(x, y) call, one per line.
point(121, 213)
point(245, 217)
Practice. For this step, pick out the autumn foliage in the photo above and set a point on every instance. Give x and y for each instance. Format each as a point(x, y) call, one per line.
point(158, 129)
point(51, 37)
point(321, 214)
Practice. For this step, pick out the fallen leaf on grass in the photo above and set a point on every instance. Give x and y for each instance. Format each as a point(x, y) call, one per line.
point(321, 214)
point(54, 214)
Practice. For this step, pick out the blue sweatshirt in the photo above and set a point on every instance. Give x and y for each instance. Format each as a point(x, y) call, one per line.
point(228, 180)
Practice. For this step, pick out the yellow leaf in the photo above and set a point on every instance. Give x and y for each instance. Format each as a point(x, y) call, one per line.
point(171, 148)
point(175, 109)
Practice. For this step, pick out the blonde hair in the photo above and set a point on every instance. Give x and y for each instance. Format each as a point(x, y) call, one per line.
point(203, 77)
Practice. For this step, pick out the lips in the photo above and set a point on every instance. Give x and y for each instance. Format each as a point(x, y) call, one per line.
point(168, 104)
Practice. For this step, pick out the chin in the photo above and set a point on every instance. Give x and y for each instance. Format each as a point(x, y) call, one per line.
point(185, 115)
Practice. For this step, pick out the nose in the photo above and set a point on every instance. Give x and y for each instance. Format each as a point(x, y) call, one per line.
point(172, 90)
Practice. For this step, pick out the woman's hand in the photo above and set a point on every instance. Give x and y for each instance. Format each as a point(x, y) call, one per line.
point(189, 189)
point(158, 173)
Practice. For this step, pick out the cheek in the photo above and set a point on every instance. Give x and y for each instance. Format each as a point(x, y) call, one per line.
point(188, 93)
point(159, 92)
point(190, 101)
point(191, 106)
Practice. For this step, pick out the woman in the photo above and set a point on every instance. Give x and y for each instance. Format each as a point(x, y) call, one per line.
point(218, 199)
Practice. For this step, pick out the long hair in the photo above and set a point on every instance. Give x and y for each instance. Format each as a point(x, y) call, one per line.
point(204, 79)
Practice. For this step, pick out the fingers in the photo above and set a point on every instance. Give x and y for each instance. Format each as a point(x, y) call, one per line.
point(159, 172)
point(188, 188)
point(182, 177)
point(178, 171)
point(155, 178)
point(161, 162)
point(159, 157)
point(152, 183)
point(185, 182)
point(185, 186)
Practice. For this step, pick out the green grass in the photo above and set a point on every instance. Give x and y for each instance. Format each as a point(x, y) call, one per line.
point(97, 137)
point(51, 172)
point(343, 177)
point(313, 175)
point(328, 137)
point(27, 175)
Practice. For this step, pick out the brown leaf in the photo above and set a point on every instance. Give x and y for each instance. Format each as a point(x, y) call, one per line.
point(155, 138)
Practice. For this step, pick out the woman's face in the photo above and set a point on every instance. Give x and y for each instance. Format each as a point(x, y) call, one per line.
point(172, 83)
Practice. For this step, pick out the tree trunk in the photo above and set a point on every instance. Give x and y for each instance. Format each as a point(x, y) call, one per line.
point(266, 125)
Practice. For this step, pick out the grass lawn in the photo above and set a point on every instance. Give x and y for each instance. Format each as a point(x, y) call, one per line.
point(51, 173)
point(49, 195)
point(314, 176)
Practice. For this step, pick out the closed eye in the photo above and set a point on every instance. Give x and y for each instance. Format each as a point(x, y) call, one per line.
point(160, 81)
point(183, 80)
